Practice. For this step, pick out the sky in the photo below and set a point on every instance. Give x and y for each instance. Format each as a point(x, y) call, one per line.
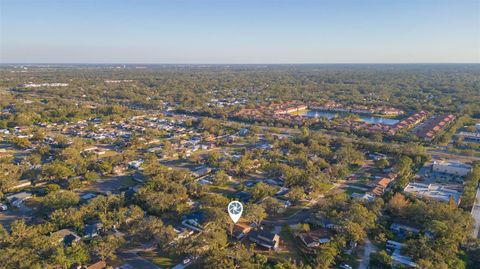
point(239, 32)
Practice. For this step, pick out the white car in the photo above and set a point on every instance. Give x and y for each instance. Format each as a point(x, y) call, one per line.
point(186, 261)
point(345, 266)
point(3, 207)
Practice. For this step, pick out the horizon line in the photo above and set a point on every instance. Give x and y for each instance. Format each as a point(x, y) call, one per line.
point(169, 63)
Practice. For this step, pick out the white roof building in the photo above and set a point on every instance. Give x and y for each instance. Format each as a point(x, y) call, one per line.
point(433, 191)
point(452, 168)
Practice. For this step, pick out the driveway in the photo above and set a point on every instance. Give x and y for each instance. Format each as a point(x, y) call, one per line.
point(368, 248)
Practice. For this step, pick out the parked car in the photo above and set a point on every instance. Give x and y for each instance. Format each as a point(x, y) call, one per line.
point(3, 207)
point(345, 266)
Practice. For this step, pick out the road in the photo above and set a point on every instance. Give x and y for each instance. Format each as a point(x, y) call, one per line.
point(368, 248)
point(476, 215)
point(13, 214)
point(446, 155)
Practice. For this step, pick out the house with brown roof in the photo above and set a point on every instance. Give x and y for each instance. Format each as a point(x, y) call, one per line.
point(241, 229)
point(315, 237)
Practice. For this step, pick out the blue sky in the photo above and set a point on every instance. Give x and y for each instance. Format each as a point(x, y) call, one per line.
point(243, 31)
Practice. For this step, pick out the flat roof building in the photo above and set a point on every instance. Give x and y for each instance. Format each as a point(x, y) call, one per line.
point(451, 168)
point(433, 191)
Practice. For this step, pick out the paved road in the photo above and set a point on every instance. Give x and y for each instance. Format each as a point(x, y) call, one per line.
point(447, 155)
point(476, 215)
point(368, 248)
point(13, 214)
point(135, 261)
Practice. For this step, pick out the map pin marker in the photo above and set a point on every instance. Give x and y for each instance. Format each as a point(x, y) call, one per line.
point(235, 209)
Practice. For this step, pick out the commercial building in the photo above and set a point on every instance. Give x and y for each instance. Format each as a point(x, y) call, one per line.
point(470, 136)
point(451, 168)
point(436, 192)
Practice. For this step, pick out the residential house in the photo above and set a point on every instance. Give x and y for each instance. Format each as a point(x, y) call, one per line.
point(66, 236)
point(241, 229)
point(97, 265)
point(18, 198)
point(92, 230)
point(397, 257)
point(315, 237)
point(403, 230)
point(265, 239)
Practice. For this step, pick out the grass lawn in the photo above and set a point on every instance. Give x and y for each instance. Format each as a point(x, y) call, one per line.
point(157, 259)
point(288, 248)
point(349, 191)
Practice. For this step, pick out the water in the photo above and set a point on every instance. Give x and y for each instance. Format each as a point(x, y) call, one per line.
point(367, 119)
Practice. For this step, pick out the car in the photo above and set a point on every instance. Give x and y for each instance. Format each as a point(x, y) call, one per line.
point(345, 266)
point(3, 207)
point(186, 261)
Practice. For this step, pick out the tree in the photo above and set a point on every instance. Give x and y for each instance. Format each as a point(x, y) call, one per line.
point(296, 194)
point(273, 206)
point(163, 193)
point(59, 199)
point(403, 166)
point(57, 169)
point(381, 163)
point(105, 247)
point(349, 155)
point(255, 213)
point(397, 204)
point(381, 260)
point(262, 190)
point(220, 178)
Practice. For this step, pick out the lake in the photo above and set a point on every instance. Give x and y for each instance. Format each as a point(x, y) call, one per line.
point(331, 115)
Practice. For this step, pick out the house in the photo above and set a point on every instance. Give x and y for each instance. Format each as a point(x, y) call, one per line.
point(243, 132)
point(87, 196)
point(194, 221)
point(326, 223)
point(18, 198)
point(316, 237)
point(241, 229)
point(363, 196)
point(242, 196)
point(97, 265)
point(403, 230)
point(66, 236)
point(92, 230)
point(201, 171)
point(397, 257)
point(265, 239)
point(135, 164)
point(382, 184)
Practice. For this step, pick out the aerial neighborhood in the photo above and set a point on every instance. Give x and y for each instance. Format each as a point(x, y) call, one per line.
point(94, 176)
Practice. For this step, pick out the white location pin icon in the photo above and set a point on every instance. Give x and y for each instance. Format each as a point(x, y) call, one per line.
point(235, 209)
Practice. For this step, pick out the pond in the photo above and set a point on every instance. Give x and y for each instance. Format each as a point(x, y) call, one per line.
point(331, 115)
